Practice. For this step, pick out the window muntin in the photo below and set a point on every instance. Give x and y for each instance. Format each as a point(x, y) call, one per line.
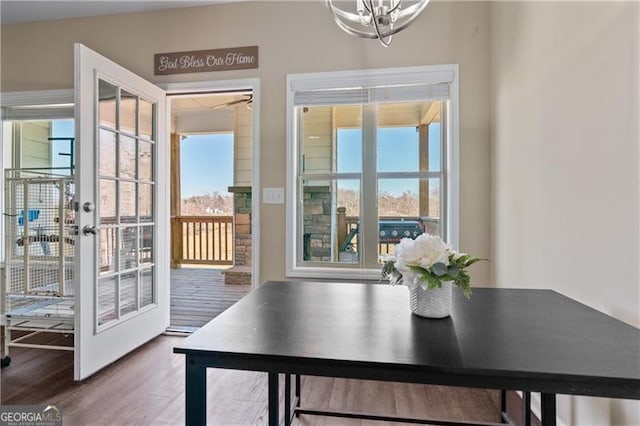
point(126, 181)
point(409, 124)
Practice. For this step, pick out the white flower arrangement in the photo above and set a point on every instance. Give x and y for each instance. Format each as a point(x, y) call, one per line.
point(428, 261)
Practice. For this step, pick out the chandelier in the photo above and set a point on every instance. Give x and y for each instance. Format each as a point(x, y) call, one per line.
point(376, 18)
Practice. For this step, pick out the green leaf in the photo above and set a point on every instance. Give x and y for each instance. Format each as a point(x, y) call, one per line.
point(473, 260)
point(453, 271)
point(388, 268)
point(417, 269)
point(434, 282)
point(439, 269)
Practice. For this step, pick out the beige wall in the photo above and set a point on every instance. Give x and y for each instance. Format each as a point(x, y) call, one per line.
point(552, 198)
point(40, 56)
point(565, 155)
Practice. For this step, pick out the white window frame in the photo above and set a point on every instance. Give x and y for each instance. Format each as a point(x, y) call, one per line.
point(366, 78)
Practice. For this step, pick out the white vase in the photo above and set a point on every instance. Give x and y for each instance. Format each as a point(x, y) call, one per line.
point(431, 303)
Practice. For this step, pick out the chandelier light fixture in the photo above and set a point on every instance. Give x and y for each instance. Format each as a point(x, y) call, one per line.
point(379, 19)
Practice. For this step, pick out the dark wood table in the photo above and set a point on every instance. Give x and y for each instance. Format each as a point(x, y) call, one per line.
point(528, 340)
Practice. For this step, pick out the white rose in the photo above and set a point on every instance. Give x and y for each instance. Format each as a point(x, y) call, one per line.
point(432, 249)
point(424, 251)
point(406, 255)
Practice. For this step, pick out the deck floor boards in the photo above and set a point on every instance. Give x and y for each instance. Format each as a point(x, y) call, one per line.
point(200, 294)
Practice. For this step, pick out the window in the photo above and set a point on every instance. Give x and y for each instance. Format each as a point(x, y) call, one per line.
point(372, 158)
point(40, 144)
point(32, 122)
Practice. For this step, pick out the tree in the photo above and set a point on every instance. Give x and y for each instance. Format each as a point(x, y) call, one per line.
point(208, 204)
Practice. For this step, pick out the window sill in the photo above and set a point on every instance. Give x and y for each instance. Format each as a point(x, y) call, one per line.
point(332, 273)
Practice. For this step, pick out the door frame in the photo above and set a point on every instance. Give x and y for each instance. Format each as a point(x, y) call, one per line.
point(252, 84)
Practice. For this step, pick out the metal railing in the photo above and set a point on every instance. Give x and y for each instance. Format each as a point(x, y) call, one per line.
point(203, 240)
point(430, 225)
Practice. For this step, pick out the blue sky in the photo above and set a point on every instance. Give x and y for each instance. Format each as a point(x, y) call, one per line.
point(206, 164)
point(61, 129)
point(397, 152)
point(206, 161)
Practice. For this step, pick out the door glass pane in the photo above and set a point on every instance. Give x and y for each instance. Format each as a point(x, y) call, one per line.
point(127, 202)
point(107, 159)
point(146, 244)
point(128, 293)
point(146, 202)
point(106, 104)
point(106, 300)
point(127, 157)
point(145, 169)
point(146, 119)
point(128, 247)
point(128, 112)
point(330, 212)
point(147, 293)
point(107, 201)
point(123, 162)
point(107, 250)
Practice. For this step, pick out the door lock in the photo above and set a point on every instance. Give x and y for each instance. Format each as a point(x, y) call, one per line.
point(90, 229)
point(88, 207)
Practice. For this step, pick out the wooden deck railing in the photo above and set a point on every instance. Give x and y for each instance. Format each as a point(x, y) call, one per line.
point(204, 240)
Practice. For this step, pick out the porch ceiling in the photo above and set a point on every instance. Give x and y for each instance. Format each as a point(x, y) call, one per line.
point(182, 105)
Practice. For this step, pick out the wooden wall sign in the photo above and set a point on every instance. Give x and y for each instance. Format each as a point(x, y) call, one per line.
point(233, 58)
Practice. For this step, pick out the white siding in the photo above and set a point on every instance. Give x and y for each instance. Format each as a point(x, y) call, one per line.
point(243, 141)
point(35, 146)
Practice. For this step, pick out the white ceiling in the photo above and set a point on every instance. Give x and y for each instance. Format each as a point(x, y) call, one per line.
point(20, 11)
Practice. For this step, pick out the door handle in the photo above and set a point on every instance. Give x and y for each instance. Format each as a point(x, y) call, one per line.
point(89, 229)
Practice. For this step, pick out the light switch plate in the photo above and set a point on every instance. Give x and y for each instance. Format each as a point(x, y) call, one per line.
point(273, 195)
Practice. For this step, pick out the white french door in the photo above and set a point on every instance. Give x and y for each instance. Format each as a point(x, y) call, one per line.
point(122, 200)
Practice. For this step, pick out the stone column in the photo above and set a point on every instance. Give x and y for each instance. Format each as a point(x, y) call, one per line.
point(240, 272)
point(317, 223)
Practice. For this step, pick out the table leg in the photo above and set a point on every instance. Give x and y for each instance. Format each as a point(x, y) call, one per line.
point(195, 393)
point(526, 408)
point(274, 400)
point(548, 409)
point(298, 389)
point(287, 399)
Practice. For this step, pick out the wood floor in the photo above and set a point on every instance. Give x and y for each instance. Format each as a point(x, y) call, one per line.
point(147, 388)
point(200, 294)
